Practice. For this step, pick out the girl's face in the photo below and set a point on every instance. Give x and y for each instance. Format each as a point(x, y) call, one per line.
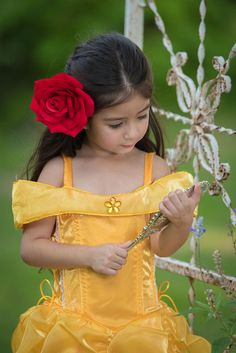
point(117, 129)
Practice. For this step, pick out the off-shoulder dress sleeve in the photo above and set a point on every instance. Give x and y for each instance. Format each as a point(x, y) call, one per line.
point(32, 201)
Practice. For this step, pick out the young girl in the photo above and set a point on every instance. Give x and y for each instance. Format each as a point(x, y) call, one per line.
point(97, 176)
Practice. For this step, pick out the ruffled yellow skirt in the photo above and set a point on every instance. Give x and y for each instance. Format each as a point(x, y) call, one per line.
point(47, 328)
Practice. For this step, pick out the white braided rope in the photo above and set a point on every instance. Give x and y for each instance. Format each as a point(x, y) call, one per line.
point(221, 129)
point(175, 117)
point(185, 120)
point(160, 24)
point(201, 48)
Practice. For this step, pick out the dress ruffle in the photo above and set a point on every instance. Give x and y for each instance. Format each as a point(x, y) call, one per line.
point(48, 328)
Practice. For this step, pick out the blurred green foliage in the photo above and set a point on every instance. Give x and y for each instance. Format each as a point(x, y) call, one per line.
point(36, 37)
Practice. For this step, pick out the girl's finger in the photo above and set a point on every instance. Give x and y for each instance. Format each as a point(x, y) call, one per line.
point(110, 272)
point(122, 252)
point(183, 199)
point(120, 261)
point(170, 206)
point(164, 210)
point(115, 266)
point(176, 199)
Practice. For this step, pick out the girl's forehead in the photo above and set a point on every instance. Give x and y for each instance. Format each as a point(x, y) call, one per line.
point(136, 103)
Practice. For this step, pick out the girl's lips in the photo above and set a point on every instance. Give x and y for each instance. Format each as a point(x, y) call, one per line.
point(127, 146)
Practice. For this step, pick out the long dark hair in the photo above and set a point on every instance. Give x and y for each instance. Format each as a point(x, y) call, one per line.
point(110, 67)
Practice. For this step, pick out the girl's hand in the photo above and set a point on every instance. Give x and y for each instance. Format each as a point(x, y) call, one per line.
point(179, 208)
point(109, 258)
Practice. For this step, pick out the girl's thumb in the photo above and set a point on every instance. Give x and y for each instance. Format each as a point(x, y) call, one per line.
point(196, 193)
point(126, 244)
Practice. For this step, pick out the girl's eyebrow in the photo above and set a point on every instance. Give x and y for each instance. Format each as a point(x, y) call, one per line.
point(119, 118)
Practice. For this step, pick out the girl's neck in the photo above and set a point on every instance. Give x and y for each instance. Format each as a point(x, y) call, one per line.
point(102, 174)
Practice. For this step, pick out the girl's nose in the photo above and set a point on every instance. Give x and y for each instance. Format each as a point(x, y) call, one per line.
point(130, 132)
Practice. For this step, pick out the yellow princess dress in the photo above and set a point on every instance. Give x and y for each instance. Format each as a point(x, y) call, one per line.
point(91, 312)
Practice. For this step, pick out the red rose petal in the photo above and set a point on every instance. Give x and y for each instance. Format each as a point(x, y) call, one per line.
point(60, 103)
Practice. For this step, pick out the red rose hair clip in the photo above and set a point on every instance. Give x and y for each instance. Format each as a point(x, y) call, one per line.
point(61, 104)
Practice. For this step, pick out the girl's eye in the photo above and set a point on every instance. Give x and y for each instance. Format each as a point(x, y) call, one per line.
point(115, 126)
point(143, 116)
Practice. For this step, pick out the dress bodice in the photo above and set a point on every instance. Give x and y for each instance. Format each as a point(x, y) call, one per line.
point(126, 295)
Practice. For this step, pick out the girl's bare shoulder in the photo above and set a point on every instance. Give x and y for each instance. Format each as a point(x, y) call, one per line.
point(160, 168)
point(53, 172)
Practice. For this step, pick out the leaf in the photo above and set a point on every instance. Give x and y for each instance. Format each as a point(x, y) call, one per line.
point(219, 345)
point(196, 310)
point(232, 324)
point(184, 312)
point(203, 305)
point(229, 303)
point(210, 316)
point(218, 301)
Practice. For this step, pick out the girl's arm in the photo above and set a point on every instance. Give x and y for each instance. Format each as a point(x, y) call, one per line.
point(38, 249)
point(179, 209)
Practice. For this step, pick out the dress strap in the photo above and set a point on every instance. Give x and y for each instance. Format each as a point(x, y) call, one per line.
point(67, 171)
point(148, 167)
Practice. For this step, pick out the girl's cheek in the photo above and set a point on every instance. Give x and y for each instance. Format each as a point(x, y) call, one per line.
point(145, 127)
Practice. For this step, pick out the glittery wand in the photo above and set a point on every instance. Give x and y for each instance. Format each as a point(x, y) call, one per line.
point(158, 220)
